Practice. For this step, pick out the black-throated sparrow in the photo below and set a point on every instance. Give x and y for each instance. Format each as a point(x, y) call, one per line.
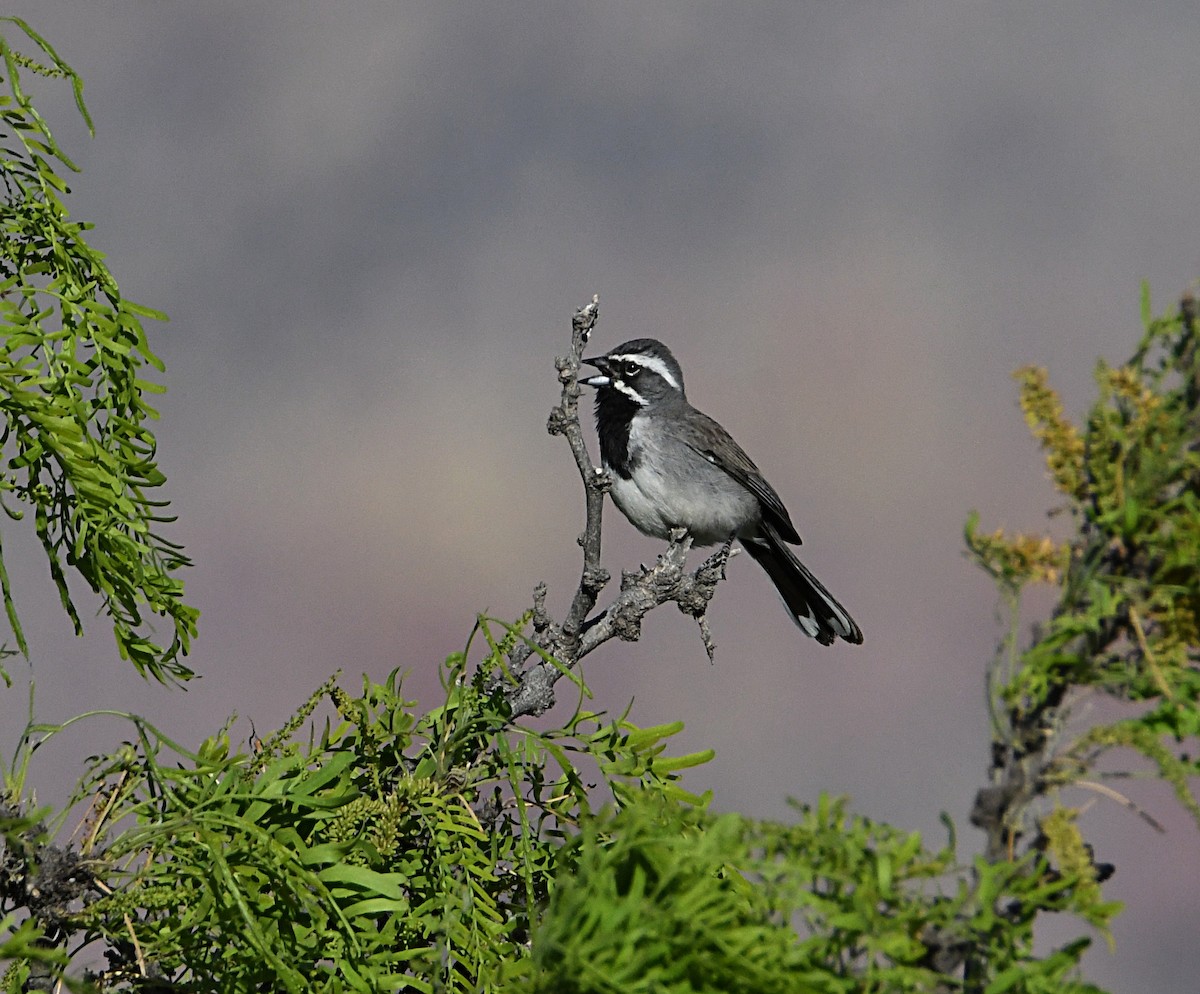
point(674, 467)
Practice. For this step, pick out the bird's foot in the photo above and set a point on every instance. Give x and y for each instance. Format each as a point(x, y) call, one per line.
point(720, 559)
point(681, 542)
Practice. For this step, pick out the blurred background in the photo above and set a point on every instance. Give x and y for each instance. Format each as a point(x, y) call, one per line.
point(370, 224)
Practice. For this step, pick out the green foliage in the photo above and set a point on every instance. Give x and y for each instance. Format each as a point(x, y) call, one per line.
point(670, 900)
point(1127, 623)
point(651, 900)
point(451, 851)
point(394, 851)
point(76, 446)
point(23, 944)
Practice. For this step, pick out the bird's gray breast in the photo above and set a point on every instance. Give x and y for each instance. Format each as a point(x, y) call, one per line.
point(671, 485)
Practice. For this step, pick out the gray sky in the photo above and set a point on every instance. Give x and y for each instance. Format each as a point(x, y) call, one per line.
point(371, 222)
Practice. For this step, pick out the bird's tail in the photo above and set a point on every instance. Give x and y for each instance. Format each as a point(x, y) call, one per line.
point(814, 609)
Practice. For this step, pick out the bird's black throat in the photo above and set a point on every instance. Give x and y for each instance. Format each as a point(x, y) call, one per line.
point(614, 416)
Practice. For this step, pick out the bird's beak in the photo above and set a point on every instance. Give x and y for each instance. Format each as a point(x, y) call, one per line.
point(603, 378)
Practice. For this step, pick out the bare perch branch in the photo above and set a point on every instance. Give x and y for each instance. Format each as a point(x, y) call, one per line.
point(641, 591)
point(564, 420)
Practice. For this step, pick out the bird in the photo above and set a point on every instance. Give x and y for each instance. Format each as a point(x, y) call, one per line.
point(674, 468)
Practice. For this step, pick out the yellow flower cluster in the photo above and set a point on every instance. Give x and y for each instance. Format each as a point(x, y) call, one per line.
point(1043, 412)
point(1019, 559)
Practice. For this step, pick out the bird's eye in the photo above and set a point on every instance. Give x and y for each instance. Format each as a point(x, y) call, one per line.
point(632, 369)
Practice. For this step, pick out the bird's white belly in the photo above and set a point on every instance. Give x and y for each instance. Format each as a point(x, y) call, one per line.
point(684, 490)
point(710, 507)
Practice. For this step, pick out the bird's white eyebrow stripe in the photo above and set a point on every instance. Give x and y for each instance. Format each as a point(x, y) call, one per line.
point(652, 362)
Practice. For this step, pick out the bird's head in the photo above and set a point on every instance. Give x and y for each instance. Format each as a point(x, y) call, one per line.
point(643, 371)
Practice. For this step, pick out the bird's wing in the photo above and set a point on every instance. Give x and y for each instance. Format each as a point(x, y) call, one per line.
point(734, 461)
